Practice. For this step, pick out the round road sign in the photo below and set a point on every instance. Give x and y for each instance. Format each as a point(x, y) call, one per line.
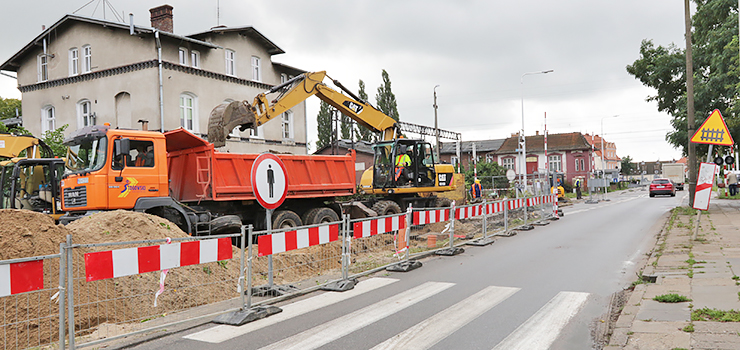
point(510, 174)
point(269, 180)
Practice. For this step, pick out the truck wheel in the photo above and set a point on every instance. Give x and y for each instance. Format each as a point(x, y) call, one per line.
point(173, 216)
point(226, 224)
point(286, 219)
point(322, 215)
point(386, 208)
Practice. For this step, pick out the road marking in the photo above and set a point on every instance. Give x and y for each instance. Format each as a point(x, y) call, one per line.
point(541, 330)
point(432, 330)
point(337, 328)
point(223, 333)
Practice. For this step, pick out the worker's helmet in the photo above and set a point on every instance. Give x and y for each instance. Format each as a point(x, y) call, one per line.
point(477, 181)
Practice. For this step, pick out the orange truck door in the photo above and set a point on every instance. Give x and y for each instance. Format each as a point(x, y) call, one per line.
point(139, 177)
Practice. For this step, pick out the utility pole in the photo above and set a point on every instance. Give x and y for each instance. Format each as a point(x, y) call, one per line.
point(436, 128)
point(690, 104)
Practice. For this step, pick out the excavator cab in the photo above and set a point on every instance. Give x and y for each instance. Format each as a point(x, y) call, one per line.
point(31, 184)
point(403, 163)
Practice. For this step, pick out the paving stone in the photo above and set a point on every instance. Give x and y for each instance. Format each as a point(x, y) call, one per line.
point(645, 341)
point(715, 297)
point(619, 337)
point(716, 327)
point(715, 341)
point(653, 310)
point(654, 290)
point(657, 327)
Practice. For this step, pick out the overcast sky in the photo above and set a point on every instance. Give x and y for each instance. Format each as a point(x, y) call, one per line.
point(476, 51)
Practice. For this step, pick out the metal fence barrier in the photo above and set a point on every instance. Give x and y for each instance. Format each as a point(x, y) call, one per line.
point(113, 290)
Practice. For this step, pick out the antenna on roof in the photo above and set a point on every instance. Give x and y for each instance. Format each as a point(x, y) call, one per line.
point(218, 13)
point(105, 3)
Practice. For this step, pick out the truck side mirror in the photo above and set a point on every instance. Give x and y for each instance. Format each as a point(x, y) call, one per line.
point(121, 147)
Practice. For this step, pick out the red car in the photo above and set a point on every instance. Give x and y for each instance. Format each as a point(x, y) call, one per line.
point(662, 186)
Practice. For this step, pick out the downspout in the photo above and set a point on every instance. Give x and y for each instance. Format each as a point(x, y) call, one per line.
point(161, 89)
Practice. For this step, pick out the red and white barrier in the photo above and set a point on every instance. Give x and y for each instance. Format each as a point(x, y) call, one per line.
point(367, 228)
point(534, 201)
point(431, 216)
point(132, 261)
point(516, 203)
point(493, 208)
point(21, 277)
point(469, 212)
point(296, 239)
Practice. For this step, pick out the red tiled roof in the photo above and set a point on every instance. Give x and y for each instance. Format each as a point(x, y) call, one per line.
point(555, 142)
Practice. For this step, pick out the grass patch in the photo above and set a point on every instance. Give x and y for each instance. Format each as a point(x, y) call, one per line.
point(671, 298)
point(707, 314)
point(689, 328)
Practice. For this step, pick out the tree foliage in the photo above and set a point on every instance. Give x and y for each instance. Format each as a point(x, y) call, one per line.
point(323, 120)
point(715, 56)
point(627, 165)
point(54, 139)
point(346, 127)
point(385, 99)
point(486, 173)
point(363, 133)
point(8, 107)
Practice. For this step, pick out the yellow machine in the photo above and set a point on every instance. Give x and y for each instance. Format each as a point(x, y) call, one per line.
point(29, 175)
point(404, 171)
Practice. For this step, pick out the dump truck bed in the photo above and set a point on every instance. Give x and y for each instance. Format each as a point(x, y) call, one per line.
point(197, 172)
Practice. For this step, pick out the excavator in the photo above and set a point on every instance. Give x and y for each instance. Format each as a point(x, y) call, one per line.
point(29, 175)
point(404, 172)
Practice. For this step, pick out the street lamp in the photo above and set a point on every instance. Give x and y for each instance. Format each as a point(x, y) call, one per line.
point(603, 154)
point(436, 129)
point(522, 139)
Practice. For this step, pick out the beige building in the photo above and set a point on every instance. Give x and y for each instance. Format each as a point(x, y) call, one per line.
point(84, 71)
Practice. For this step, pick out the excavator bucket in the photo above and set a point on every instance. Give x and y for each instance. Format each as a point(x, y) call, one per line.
point(227, 116)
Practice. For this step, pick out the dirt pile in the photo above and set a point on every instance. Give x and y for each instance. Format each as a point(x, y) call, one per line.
point(25, 234)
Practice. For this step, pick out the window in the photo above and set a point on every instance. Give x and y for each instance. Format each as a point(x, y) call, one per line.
point(256, 70)
point(257, 133)
point(454, 160)
point(84, 114)
point(555, 163)
point(580, 164)
point(43, 67)
point(74, 58)
point(489, 158)
point(183, 56)
point(230, 62)
point(288, 125)
point(187, 112)
point(195, 59)
point(86, 59)
point(508, 163)
point(141, 154)
point(48, 119)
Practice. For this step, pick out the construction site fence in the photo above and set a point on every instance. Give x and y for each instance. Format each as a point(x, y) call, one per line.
point(90, 294)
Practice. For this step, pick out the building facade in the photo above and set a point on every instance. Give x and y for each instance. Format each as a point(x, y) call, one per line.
point(84, 71)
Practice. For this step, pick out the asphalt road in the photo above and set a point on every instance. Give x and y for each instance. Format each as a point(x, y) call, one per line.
point(540, 289)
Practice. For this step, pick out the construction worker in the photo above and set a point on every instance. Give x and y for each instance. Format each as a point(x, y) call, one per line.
point(577, 185)
point(402, 161)
point(476, 190)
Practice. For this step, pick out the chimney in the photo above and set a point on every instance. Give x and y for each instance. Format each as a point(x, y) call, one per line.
point(536, 133)
point(161, 18)
point(144, 124)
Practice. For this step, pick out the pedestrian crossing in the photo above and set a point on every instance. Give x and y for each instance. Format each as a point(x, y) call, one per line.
point(537, 333)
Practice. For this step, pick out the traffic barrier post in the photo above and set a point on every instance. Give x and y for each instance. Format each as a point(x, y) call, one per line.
point(345, 283)
point(485, 240)
point(451, 250)
point(407, 264)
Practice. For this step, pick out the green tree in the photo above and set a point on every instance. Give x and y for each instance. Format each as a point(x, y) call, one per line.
point(8, 107)
point(627, 165)
point(715, 54)
point(486, 173)
point(54, 139)
point(363, 133)
point(385, 99)
point(323, 120)
point(346, 127)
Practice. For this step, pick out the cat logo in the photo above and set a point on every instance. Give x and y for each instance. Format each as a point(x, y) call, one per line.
point(131, 185)
point(353, 106)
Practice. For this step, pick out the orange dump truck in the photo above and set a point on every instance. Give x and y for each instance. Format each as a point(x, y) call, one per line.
point(181, 177)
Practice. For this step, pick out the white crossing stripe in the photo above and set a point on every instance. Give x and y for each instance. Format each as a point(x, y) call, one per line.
point(223, 333)
point(432, 330)
point(337, 328)
point(541, 330)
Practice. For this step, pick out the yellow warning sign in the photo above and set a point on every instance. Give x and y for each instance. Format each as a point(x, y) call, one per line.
point(713, 131)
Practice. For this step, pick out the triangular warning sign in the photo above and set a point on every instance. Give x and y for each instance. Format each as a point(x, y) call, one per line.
point(713, 131)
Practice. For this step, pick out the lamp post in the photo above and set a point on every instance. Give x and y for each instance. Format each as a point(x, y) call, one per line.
point(603, 154)
point(522, 139)
point(436, 129)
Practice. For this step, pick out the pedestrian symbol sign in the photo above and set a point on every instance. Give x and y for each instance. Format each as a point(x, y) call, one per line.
point(713, 131)
point(269, 180)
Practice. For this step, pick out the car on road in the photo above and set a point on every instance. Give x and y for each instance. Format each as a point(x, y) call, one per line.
point(662, 186)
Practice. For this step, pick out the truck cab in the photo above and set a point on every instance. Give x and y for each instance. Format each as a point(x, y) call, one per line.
point(108, 169)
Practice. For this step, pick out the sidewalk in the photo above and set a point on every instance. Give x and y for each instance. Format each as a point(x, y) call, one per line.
point(704, 271)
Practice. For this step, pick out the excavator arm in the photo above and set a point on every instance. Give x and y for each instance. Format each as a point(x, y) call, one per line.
point(12, 145)
point(227, 116)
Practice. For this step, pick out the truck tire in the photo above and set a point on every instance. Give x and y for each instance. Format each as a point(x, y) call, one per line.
point(386, 208)
point(321, 215)
point(226, 224)
point(286, 219)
